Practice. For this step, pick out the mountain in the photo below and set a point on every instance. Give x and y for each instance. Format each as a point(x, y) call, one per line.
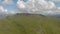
point(29, 24)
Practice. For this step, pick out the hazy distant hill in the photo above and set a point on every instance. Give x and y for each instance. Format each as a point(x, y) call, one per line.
point(29, 24)
point(28, 14)
point(3, 15)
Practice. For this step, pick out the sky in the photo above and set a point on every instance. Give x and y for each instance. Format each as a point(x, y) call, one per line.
point(45, 7)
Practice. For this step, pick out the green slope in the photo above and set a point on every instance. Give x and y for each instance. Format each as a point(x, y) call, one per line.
point(29, 24)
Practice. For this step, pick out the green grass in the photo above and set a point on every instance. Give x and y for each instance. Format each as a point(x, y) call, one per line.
point(27, 24)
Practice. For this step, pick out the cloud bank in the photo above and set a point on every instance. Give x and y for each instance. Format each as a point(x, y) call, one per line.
point(46, 7)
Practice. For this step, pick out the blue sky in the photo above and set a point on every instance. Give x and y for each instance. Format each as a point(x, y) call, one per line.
point(57, 4)
point(17, 9)
point(12, 7)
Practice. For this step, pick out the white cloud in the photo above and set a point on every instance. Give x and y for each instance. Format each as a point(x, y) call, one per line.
point(20, 4)
point(38, 6)
point(59, 8)
point(3, 10)
point(54, 0)
point(9, 2)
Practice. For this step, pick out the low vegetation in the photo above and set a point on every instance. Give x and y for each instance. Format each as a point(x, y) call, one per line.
point(29, 24)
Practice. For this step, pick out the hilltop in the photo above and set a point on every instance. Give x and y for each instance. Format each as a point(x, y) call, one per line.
point(29, 24)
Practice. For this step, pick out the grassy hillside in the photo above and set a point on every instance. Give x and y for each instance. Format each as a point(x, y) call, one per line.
point(29, 24)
